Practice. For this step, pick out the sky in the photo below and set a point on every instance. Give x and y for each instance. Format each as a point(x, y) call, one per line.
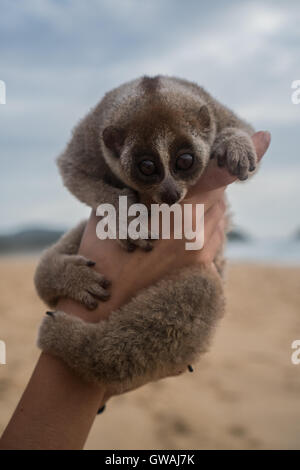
point(58, 58)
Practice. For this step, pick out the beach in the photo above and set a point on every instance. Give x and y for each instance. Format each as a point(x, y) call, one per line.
point(243, 394)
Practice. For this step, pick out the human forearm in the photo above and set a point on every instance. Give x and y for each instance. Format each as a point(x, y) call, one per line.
point(56, 410)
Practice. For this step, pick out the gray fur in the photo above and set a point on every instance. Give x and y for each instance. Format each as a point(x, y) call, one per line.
point(159, 332)
point(162, 117)
point(63, 273)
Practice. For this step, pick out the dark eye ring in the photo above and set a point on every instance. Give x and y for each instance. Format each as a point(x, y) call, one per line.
point(147, 167)
point(184, 161)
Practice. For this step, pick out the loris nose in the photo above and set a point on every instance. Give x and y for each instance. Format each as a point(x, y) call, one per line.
point(170, 196)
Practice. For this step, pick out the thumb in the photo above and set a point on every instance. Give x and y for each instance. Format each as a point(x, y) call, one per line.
point(216, 177)
point(261, 142)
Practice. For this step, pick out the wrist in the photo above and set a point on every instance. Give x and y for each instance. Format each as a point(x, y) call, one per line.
point(59, 406)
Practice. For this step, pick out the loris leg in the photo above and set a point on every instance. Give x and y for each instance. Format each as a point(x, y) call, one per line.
point(158, 333)
point(63, 273)
point(234, 148)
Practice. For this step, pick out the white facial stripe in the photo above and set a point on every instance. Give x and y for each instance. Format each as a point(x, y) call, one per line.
point(161, 145)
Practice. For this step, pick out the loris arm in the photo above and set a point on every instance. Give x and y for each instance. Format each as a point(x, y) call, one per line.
point(84, 170)
point(61, 272)
point(87, 176)
point(93, 190)
point(233, 146)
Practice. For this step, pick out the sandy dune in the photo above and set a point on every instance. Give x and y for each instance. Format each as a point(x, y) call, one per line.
point(243, 395)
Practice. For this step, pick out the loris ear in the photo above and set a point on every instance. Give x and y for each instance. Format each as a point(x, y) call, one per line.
point(114, 138)
point(204, 118)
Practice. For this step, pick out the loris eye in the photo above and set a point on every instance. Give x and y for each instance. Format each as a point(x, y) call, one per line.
point(184, 161)
point(147, 167)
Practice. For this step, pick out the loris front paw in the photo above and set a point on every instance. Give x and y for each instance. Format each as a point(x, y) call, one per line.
point(234, 149)
point(130, 244)
point(70, 276)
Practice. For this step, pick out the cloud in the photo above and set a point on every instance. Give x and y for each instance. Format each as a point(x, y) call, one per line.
point(58, 59)
point(268, 205)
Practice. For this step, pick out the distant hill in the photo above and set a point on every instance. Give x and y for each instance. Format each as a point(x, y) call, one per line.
point(296, 235)
point(237, 235)
point(28, 240)
point(36, 239)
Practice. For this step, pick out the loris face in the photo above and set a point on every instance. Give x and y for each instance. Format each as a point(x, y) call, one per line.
point(158, 154)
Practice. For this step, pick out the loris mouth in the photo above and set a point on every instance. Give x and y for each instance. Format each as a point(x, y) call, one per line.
point(168, 197)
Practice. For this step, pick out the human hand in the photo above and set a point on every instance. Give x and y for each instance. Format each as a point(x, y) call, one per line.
point(130, 272)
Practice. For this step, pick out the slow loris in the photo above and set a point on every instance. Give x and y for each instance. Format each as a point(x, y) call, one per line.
point(151, 137)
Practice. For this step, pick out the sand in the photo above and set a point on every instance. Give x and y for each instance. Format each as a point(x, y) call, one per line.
point(244, 394)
